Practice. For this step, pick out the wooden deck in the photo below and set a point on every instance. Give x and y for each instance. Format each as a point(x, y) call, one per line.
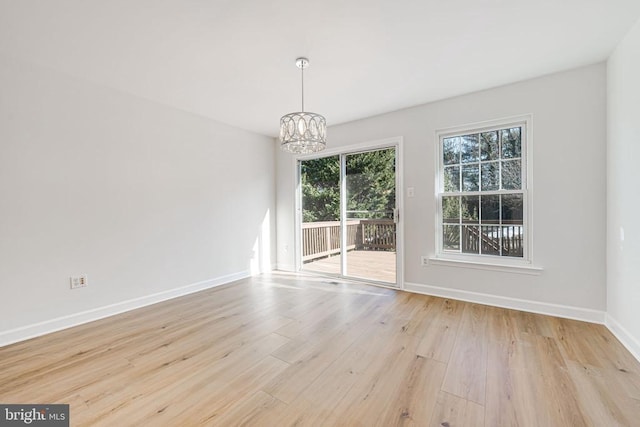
point(286, 350)
point(371, 265)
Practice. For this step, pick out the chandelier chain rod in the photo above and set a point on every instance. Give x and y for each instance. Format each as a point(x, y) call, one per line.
point(302, 79)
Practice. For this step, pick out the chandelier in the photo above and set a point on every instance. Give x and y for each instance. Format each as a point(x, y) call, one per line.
point(303, 132)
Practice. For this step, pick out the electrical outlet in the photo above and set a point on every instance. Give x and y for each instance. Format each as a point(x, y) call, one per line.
point(424, 261)
point(79, 281)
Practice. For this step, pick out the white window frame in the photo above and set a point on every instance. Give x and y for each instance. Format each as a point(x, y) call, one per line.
point(485, 261)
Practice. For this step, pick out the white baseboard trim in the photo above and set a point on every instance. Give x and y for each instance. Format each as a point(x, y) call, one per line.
point(629, 341)
point(37, 329)
point(569, 312)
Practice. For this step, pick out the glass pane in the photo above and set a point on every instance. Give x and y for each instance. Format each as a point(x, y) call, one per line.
point(370, 184)
point(451, 209)
point(451, 237)
point(470, 209)
point(512, 209)
point(470, 239)
point(490, 176)
point(370, 231)
point(451, 150)
point(511, 175)
point(320, 179)
point(490, 240)
point(489, 147)
point(490, 209)
point(470, 149)
point(470, 177)
point(320, 189)
point(452, 178)
point(511, 143)
point(512, 242)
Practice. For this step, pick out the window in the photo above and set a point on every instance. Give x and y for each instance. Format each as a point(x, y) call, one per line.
point(482, 197)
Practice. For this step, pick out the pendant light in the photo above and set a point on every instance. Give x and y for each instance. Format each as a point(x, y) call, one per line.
point(303, 132)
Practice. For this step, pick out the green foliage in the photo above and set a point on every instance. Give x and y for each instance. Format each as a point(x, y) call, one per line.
point(321, 189)
point(370, 186)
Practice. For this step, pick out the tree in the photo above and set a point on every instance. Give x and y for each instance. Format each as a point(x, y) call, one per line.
point(370, 184)
point(321, 189)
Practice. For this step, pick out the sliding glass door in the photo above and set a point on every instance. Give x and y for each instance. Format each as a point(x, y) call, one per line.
point(348, 207)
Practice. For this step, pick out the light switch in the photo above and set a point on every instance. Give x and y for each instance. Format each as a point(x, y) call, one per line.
point(411, 192)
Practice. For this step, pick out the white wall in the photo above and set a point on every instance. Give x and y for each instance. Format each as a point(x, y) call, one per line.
point(623, 191)
point(143, 198)
point(568, 160)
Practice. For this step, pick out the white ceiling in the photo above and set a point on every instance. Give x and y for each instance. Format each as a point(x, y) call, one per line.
point(233, 60)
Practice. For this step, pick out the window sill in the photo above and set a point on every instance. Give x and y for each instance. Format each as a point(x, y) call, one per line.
point(480, 265)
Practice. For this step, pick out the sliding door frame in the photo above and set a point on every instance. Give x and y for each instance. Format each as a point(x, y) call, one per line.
point(394, 142)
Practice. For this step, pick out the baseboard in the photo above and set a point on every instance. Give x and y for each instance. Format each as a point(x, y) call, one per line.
point(37, 329)
point(569, 312)
point(627, 340)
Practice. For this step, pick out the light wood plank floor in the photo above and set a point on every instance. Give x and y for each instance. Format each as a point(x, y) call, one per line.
point(286, 350)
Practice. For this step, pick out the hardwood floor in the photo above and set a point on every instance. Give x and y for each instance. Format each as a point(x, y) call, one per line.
point(285, 350)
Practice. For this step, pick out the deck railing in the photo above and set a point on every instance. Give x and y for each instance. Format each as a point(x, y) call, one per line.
point(489, 240)
point(376, 235)
point(322, 239)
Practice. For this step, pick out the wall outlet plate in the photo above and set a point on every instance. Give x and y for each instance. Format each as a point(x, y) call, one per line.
point(424, 261)
point(78, 281)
